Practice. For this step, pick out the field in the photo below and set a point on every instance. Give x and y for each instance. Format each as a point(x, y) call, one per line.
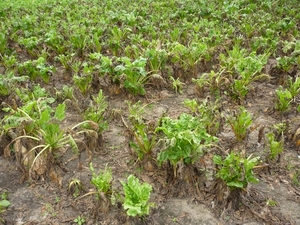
point(149, 112)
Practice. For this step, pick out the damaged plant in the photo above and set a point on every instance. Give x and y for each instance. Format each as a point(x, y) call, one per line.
point(240, 123)
point(184, 140)
point(48, 138)
point(103, 184)
point(144, 135)
point(236, 172)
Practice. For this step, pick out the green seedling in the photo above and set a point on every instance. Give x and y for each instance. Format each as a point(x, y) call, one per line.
point(115, 40)
point(235, 170)
point(136, 199)
point(296, 177)
point(9, 62)
point(240, 123)
point(192, 105)
point(103, 184)
point(47, 136)
point(283, 100)
point(4, 204)
point(144, 142)
point(31, 44)
point(3, 43)
point(66, 60)
point(36, 68)
point(157, 59)
point(197, 50)
point(248, 69)
point(24, 117)
point(185, 140)
point(96, 40)
point(79, 220)
point(243, 68)
point(67, 92)
point(55, 40)
point(45, 71)
point(79, 39)
point(271, 202)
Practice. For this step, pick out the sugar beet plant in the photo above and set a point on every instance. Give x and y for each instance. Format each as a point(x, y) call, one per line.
point(96, 110)
point(240, 123)
point(243, 69)
point(132, 74)
point(49, 138)
point(184, 140)
point(236, 171)
point(8, 82)
point(144, 135)
point(136, 197)
point(207, 112)
point(285, 96)
point(103, 184)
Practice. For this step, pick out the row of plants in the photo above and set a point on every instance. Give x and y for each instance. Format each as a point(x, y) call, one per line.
point(131, 49)
point(135, 196)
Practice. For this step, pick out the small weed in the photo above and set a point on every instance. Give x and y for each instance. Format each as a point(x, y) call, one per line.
point(132, 75)
point(271, 202)
point(4, 203)
point(79, 220)
point(294, 87)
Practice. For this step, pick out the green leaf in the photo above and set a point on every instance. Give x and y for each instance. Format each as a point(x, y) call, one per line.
point(45, 117)
point(235, 184)
point(4, 203)
point(60, 112)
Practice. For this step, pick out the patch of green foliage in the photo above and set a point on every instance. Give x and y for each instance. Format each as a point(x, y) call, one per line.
point(235, 170)
point(185, 139)
point(137, 195)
